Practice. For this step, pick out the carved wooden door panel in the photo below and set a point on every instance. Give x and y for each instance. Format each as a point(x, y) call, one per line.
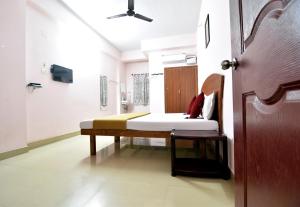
point(266, 42)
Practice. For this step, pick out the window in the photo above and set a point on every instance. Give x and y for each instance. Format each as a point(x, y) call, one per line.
point(103, 91)
point(141, 89)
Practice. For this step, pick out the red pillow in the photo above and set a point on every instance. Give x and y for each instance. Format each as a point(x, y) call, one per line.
point(197, 106)
point(191, 105)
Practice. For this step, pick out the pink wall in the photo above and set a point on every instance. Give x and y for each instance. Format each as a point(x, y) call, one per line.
point(55, 36)
point(121, 84)
point(12, 78)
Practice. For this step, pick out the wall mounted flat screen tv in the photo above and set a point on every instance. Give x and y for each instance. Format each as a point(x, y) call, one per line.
point(61, 74)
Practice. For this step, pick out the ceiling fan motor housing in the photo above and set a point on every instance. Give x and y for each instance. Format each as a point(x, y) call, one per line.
point(130, 12)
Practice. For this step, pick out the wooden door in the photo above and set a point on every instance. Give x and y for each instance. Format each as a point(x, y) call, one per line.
point(188, 86)
point(181, 85)
point(172, 90)
point(266, 42)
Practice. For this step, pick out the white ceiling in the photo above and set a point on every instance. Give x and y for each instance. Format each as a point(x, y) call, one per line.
point(171, 17)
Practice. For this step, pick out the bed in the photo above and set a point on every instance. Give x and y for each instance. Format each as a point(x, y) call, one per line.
point(161, 125)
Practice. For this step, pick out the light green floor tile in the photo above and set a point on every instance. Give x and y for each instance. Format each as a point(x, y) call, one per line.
point(63, 174)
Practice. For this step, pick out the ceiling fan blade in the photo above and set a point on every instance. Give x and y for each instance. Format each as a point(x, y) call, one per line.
point(117, 16)
point(139, 16)
point(130, 4)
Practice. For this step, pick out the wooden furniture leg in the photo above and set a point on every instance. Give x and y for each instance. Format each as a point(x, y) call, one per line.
point(203, 153)
point(117, 139)
point(226, 174)
point(93, 144)
point(217, 151)
point(131, 141)
point(196, 145)
point(173, 156)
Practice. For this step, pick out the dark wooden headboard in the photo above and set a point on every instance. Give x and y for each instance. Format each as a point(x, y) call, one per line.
point(215, 83)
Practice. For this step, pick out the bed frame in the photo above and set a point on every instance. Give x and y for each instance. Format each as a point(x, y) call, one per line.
point(213, 83)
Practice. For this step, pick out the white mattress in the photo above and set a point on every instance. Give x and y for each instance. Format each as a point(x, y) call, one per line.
point(88, 124)
point(164, 122)
point(167, 122)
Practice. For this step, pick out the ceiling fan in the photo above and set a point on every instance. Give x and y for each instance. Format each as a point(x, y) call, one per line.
point(131, 13)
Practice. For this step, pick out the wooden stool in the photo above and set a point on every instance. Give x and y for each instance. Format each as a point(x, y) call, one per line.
point(199, 166)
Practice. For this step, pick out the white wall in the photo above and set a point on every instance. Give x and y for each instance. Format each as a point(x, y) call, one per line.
point(132, 56)
point(12, 79)
point(210, 58)
point(55, 36)
point(135, 68)
point(169, 42)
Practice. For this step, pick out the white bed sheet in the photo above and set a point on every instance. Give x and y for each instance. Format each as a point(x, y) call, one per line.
point(164, 122)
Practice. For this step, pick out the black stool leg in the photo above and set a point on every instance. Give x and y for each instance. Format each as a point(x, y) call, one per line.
point(226, 171)
point(173, 156)
point(217, 150)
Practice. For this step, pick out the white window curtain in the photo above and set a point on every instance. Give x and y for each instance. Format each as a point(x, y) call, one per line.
point(103, 91)
point(141, 89)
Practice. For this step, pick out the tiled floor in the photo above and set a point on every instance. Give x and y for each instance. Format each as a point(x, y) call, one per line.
point(63, 174)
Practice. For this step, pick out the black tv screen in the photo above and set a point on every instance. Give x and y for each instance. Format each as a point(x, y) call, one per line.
point(61, 74)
